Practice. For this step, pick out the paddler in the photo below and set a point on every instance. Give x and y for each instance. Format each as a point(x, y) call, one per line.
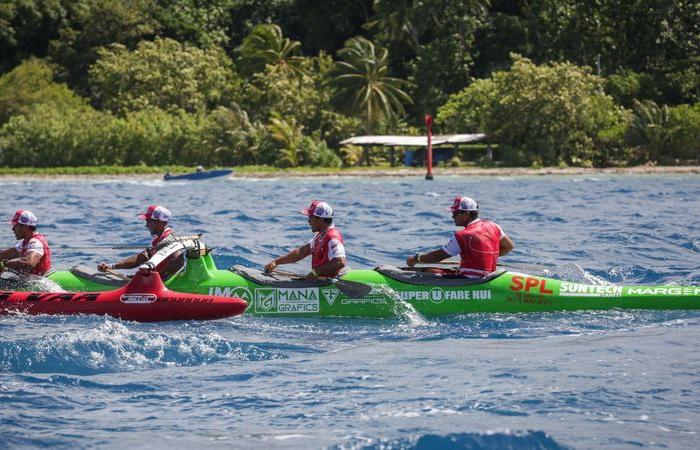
point(157, 218)
point(479, 243)
point(326, 247)
point(31, 254)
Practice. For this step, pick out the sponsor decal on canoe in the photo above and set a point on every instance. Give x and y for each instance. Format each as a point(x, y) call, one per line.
point(529, 284)
point(330, 295)
point(54, 297)
point(138, 299)
point(438, 295)
point(568, 289)
point(185, 300)
point(238, 291)
point(301, 300)
point(530, 290)
point(364, 301)
point(664, 290)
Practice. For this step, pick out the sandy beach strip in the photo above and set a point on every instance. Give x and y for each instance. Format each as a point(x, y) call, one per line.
point(395, 172)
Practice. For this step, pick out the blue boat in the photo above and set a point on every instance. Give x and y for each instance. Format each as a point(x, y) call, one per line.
point(199, 175)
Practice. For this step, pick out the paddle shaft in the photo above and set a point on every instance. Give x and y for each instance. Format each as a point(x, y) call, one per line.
point(284, 273)
point(117, 274)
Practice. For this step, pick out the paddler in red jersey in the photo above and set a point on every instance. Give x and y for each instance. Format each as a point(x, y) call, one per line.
point(31, 254)
point(479, 243)
point(157, 218)
point(326, 247)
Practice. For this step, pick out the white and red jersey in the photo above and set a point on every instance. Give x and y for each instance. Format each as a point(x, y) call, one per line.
point(478, 245)
point(165, 238)
point(36, 243)
point(159, 240)
point(326, 246)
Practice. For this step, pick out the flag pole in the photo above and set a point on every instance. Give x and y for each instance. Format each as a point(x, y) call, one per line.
point(429, 152)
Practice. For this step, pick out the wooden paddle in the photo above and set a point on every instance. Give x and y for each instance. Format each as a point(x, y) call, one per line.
point(352, 289)
point(118, 275)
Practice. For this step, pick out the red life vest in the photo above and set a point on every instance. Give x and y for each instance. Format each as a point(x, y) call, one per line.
point(150, 251)
point(319, 248)
point(479, 245)
point(157, 240)
point(45, 261)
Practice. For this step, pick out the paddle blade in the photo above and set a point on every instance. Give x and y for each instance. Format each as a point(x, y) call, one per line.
point(352, 289)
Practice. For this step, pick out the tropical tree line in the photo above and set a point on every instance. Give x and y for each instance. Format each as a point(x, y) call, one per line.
point(282, 82)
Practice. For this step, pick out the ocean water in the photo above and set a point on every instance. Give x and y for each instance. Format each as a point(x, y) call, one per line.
point(613, 379)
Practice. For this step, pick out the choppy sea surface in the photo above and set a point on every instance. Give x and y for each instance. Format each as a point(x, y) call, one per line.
point(583, 380)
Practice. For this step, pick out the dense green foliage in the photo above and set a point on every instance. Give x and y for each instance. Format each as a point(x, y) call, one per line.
point(30, 86)
point(541, 115)
point(163, 74)
point(282, 82)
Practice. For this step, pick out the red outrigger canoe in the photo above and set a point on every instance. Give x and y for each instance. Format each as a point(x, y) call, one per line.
point(143, 299)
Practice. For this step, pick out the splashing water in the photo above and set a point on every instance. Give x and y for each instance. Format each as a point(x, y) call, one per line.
point(402, 308)
point(114, 346)
point(575, 273)
point(13, 282)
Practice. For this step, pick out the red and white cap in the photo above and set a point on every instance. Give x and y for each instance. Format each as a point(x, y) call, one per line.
point(318, 209)
point(463, 204)
point(23, 217)
point(156, 212)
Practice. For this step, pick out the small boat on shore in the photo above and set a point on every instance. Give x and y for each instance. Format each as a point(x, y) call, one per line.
point(393, 290)
point(199, 175)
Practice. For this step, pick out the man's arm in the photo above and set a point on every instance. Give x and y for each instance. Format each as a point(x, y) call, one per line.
point(429, 258)
point(26, 263)
point(295, 255)
point(10, 253)
point(505, 245)
point(126, 263)
point(132, 261)
point(329, 269)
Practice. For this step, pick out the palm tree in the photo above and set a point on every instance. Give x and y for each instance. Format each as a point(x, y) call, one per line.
point(288, 134)
point(266, 45)
point(651, 128)
point(361, 85)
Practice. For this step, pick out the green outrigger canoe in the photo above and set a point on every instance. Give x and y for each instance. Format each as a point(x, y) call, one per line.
point(394, 291)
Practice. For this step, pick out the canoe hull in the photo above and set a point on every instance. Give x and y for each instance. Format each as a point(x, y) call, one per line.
point(509, 292)
point(144, 299)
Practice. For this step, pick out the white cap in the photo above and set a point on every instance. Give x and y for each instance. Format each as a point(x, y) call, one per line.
point(463, 204)
point(23, 217)
point(156, 212)
point(318, 209)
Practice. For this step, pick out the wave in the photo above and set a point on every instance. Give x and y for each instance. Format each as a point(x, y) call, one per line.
point(113, 346)
point(527, 440)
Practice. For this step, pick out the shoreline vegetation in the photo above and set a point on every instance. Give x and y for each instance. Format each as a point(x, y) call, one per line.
point(234, 83)
point(370, 172)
